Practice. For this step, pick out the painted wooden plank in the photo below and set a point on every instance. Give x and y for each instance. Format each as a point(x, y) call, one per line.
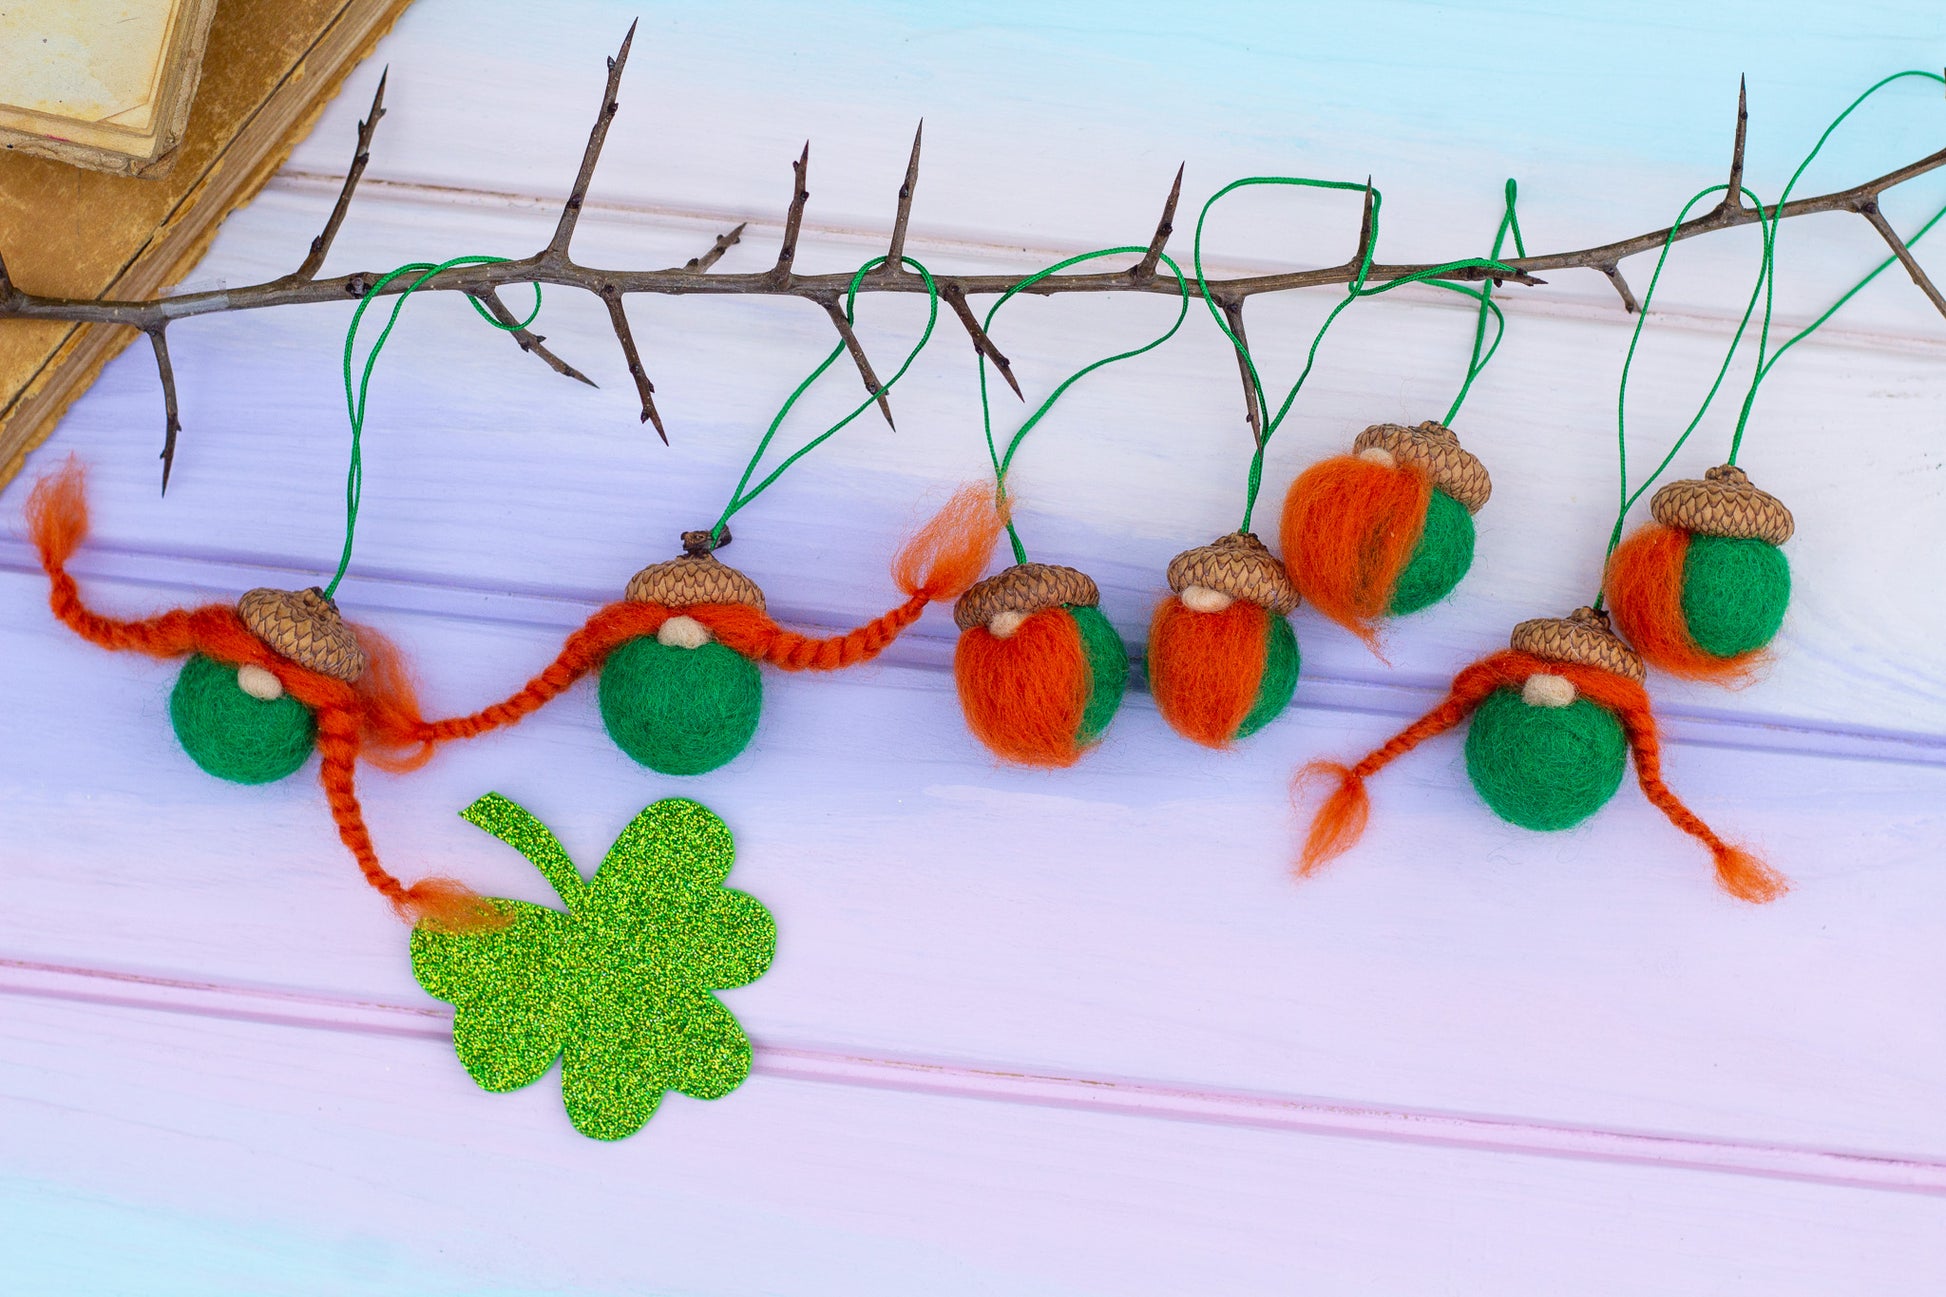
point(226, 1157)
point(1133, 919)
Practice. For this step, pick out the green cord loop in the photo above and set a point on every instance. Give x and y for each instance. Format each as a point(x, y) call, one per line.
point(355, 398)
point(740, 497)
point(1353, 291)
point(1002, 463)
point(1509, 223)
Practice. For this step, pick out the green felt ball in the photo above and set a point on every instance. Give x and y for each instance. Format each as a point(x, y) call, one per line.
point(1439, 560)
point(1545, 767)
point(233, 735)
point(1281, 662)
point(1734, 593)
point(680, 711)
point(1107, 671)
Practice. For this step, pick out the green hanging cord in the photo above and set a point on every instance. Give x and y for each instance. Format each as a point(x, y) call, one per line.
point(740, 497)
point(1002, 463)
point(1509, 223)
point(1768, 229)
point(1763, 337)
point(1353, 291)
point(355, 398)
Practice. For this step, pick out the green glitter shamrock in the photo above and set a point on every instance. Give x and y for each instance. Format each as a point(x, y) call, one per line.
point(619, 985)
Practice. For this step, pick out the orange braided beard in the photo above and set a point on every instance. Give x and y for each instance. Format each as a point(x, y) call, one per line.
point(1341, 820)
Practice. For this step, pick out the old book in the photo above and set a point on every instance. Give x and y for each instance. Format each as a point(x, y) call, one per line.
point(104, 84)
point(268, 69)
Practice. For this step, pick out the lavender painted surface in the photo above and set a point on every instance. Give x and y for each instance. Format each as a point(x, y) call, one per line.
point(1071, 1033)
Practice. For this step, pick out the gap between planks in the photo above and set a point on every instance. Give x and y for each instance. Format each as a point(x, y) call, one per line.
point(496, 604)
point(996, 1084)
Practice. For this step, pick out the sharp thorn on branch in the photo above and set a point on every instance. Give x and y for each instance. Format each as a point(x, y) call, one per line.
point(1145, 268)
point(1733, 193)
point(956, 298)
point(1232, 308)
point(1614, 273)
point(321, 245)
point(1366, 228)
point(529, 341)
point(1870, 211)
point(793, 217)
point(724, 242)
point(172, 421)
point(895, 252)
point(857, 350)
point(556, 251)
point(612, 299)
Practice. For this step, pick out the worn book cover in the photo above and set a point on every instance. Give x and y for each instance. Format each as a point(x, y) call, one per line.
point(268, 68)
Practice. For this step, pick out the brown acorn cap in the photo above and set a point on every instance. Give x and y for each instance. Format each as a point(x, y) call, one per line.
point(1582, 637)
point(1024, 588)
point(1238, 565)
point(1455, 470)
point(305, 627)
point(1723, 503)
point(693, 578)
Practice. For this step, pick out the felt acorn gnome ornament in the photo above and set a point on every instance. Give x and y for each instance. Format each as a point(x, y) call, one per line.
point(1386, 529)
point(264, 684)
point(678, 655)
point(1040, 671)
point(1701, 590)
point(1222, 658)
point(1551, 724)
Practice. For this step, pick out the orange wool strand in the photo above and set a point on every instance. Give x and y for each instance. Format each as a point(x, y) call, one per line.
point(1205, 667)
point(1349, 529)
point(57, 516)
point(1643, 586)
point(1024, 696)
point(1341, 819)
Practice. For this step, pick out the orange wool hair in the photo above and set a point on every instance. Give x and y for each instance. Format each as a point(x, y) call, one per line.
point(57, 519)
point(1643, 585)
point(1024, 696)
point(940, 562)
point(1348, 531)
point(1341, 819)
point(1205, 667)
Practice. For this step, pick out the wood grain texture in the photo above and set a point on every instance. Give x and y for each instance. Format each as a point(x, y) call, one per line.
point(1029, 1033)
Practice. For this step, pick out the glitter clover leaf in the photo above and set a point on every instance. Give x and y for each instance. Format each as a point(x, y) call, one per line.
point(618, 986)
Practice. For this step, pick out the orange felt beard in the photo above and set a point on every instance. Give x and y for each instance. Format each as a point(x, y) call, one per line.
point(1205, 668)
point(348, 715)
point(1643, 585)
point(1024, 696)
point(1349, 529)
point(940, 562)
point(1340, 821)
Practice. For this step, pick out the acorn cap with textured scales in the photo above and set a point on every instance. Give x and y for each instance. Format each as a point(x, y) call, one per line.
point(304, 626)
point(693, 579)
point(1582, 637)
point(1723, 503)
point(1238, 565)
point(1025, 588)
point(1455, 470)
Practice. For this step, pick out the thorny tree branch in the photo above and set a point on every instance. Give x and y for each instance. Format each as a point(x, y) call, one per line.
point(172, 424)
point(529, 341)
point(956, 299)
point(1232, 308)
point(1145, 268)
point(554, 266)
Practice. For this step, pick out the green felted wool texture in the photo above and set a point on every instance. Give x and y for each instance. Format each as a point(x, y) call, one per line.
point(1107, 671)
point(1439, 560)
point(680, 711)
point(1734, 593)
point(1281, 662)
point(232, 735)
point(1545, 767)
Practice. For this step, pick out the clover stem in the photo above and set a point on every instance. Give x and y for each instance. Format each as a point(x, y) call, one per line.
point(516, 826)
